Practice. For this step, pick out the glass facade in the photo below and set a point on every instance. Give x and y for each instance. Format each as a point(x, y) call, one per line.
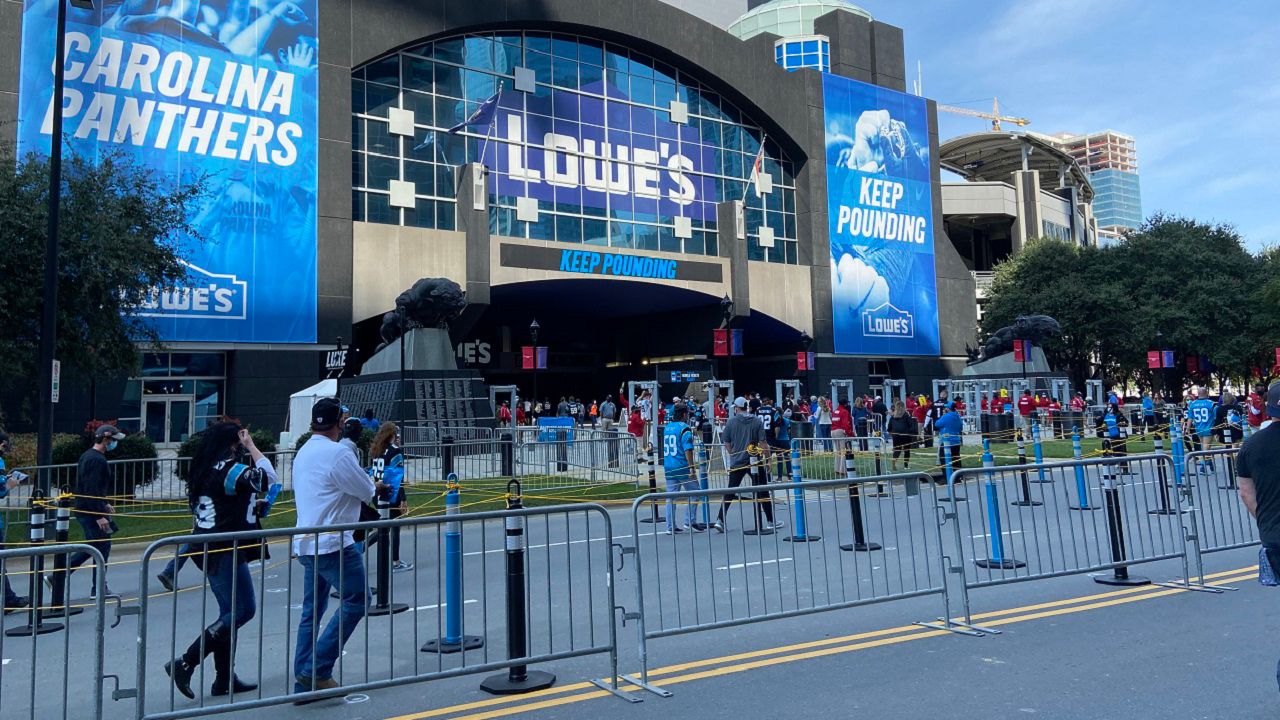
point(584, 127)
point(177, 394)
point(788, 18)
point(811, 52)
point(1117, 200)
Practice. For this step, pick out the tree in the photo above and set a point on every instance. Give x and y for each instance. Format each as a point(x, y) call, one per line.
point(122, 233)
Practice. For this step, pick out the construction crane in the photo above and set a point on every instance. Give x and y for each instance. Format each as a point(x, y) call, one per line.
point(994, 116)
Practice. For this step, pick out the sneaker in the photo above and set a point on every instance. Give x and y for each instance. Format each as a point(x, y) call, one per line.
point(699, 527)
point(401, 567)
point(166, 580)
point(16, 603)
point(302, 685)
point(718, 526)
point(93, 592)
point(778, 524)
point(675, 531)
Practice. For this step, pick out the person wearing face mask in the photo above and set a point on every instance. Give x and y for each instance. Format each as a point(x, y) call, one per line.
point(94, 484)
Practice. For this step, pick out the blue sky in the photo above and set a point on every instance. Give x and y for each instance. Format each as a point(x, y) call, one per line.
point(1198, 86)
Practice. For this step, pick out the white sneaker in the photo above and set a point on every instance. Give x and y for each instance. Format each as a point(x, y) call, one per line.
point(398, 567)
point(675, 531)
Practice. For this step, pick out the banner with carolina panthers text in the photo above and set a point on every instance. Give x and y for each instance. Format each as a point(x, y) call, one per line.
point(884, 294)
point(222, 88)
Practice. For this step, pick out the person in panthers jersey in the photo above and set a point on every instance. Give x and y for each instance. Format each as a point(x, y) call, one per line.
point(225, 495)
point(1200, 413)
point(387, 466)
point(677, 466)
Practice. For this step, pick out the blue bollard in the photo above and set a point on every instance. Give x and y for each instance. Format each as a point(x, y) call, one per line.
point(797, 498)
point(1179, 452)
point(1082, 485)
point(453, 640)
point(997, 560)
point(1038, 448)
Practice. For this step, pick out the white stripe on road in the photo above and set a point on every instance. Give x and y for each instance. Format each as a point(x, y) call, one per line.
point(739, 566)
point(536, 547)
point(5, 661)
point(1007, 532)
point(433, 607)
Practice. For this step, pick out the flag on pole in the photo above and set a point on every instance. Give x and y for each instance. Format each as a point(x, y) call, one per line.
point(483, 116)
point(754, 180)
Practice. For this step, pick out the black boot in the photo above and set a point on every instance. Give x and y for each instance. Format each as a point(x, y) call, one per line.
point(181, 668)
point(225, 681)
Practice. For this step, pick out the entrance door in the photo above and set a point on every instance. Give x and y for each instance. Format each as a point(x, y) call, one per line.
point(167, 420)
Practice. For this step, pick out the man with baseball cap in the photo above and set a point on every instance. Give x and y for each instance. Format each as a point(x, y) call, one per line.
point(329, 487)
point(94, 484)
point(1258, 469)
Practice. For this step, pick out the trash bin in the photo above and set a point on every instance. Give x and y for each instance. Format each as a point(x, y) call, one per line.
point(801, 430)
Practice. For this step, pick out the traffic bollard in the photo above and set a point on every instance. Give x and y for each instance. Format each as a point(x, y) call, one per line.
point(1037, 447)
point(59, 606)
point(704, 464)
point(879, 443)
point(1162, 481)
point(953, 492)
point(1179, 449)
point(518, 678)
point(447, 455)
point(1082, 484)
point(797, 498)
point(1115, 532)
point(998, 560)
point(651, 459)
point(382, 604)
point(453, 640)
point(1024, 479)
point(1229, 439)
point(753, 473)
point(859, 543)
point(35, 620)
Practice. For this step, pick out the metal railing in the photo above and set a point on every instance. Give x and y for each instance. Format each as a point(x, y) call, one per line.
point(1208, 484)
point(45, 679)
point(446, 617)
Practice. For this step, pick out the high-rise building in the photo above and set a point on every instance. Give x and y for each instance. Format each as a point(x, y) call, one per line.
point(799, 45)
point(1111, 160)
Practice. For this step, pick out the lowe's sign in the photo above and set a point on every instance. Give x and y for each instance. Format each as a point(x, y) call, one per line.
point(556, 148)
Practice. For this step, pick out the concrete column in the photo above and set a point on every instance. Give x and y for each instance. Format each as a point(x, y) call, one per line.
point(732, 238)
point(473, 222)
point(1026, 184)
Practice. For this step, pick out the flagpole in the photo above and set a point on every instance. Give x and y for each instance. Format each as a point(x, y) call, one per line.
point(492, 122)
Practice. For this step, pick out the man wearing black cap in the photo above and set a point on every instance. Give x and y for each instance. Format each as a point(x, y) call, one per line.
point(8, 481)
point(1258, 468)
point(329, 488)
point(94, 485)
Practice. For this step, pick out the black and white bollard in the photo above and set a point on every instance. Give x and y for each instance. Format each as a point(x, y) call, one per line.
point(1024, 477)
point(518, 678)
point(382, 604)
point(35, 623)
point(651, 459)
point(58, 605)
point(1229, 439)
point(753, 477)
point(1115, 531)
point(859, 543)
point(1162, 482)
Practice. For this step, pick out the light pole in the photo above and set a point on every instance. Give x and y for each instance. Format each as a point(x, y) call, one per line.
point(49, 315)
point(806, 341)
point(534, 327)
point(726, 313)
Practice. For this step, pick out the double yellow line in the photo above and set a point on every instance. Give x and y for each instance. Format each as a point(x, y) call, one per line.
point(742, 662)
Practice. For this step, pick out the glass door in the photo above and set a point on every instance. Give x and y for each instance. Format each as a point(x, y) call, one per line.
point(167, 420)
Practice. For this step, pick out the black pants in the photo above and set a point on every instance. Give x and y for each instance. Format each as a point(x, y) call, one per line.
point(902, 446)
point(956, 464)
point(763, 502)
point(395, 534)
point(93, 535)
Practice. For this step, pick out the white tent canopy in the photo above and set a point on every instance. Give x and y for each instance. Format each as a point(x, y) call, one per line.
point(300, 409)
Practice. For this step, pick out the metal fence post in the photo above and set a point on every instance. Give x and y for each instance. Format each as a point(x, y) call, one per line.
point(859, 543)
point(35, 624)
point(453, 640)
point(518, 678)
point(59, 606)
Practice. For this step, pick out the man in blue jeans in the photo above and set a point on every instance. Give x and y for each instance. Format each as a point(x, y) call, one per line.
point(329, 485)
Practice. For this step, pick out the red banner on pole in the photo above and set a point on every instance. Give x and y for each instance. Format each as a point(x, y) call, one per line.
point(802, 361)
point(526, 357)
point(1278, 356)
point(1153, 359)
point(1193, 363)
point(720, 342)
point(1019, 350)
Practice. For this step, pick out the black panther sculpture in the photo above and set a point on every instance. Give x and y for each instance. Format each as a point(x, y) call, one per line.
point(431, 302)
point(1033, 328)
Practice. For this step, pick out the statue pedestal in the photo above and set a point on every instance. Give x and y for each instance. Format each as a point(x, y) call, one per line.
point(1005, 365)
point(425, 349)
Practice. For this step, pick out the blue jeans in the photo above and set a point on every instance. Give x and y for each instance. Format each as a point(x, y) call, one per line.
point(175, 565)
point(824, 433)
point(681, 481)
point(344, 570)
point(232, 585)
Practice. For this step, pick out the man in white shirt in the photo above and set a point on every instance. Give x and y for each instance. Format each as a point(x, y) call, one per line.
point(329, 485)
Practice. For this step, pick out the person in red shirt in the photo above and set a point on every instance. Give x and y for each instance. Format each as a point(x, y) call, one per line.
point(921, 409)
point(520, 414)
point(1077, 403)
point(1257, 407)
point(910, 406)
point(635, 422)
point(504, 414)
point(985, 404)
point(1026, 404)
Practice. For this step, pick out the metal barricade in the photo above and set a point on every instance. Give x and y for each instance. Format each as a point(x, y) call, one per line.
point(823, 458)
point(448, 616)
point(1030, 521)
point(41, 675)
point(588, 459)
point(846, 546)
point(1222, 520)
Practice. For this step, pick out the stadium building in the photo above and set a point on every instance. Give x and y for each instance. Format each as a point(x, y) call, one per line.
point(631, 177)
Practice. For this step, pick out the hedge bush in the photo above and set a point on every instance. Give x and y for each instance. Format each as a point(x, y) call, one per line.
point(191, 447)
point(137, 446)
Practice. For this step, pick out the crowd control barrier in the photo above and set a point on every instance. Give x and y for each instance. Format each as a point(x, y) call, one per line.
point(43, 672)
point(1219, 519)
point(696, 581)
point(567, 605)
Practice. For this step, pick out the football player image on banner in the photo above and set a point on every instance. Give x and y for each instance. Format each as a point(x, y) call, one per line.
point(220, 89)
point(883, 288)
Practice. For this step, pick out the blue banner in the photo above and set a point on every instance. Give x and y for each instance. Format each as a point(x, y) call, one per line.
point(221, 88)
point(883, 288)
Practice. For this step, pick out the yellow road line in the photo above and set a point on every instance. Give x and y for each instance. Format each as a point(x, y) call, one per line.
point(913, 632)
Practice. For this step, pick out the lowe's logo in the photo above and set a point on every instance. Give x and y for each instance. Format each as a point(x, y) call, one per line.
point(888, 321)
point(205, 296)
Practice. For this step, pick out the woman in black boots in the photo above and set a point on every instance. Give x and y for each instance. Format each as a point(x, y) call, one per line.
point(226, 486)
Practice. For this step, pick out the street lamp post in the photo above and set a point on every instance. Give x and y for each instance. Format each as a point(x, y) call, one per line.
point(534, 327)
point(806, 341)
point(49, 314)
point(726, 313)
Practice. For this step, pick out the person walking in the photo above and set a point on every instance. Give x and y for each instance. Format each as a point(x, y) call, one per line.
point(903, 431)
point(841, 428)
point(8, 481)
point(743, 437)
point(329, 487)
point(677, 467)
point(387, 468)
point(1148, 412)
point(351, 432)
point(950, 429)
point(608, 413)
point(1201, 412)
point(94, 485)
point(223, 492)
point(1258, 486)
point(821, 419)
